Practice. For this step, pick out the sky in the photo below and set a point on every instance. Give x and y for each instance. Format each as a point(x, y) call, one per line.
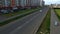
point(52, 2)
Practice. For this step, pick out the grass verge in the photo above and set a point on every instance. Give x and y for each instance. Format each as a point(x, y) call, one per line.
point(45, 26)
point(15, 18)
point(57, 12)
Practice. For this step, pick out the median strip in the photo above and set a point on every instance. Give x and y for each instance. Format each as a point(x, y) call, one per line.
point(17, 17)
point(45, 26)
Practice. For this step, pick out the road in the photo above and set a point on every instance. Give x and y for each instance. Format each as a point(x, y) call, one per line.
point(26, 25)
point(54, 29)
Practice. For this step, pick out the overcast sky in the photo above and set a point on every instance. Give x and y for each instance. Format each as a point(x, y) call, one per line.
point(52, 1)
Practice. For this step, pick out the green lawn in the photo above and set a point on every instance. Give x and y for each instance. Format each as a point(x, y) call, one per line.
point(24, 13)
point(45, 26)
point(57, 11)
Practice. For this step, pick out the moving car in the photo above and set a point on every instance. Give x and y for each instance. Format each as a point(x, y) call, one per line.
point(40, 10)
point(56, 23)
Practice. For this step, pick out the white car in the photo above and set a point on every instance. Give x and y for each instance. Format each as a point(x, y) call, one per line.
point(56, 23)
point(40, 10)
point(15, 8)
point(4, 11)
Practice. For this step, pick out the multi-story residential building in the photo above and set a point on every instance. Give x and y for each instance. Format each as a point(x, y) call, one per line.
point(42, 3)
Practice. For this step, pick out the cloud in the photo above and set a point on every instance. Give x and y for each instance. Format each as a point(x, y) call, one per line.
point(52, 1)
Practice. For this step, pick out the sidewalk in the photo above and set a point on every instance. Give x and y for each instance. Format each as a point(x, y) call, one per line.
point(54, 29)
point(2, 18)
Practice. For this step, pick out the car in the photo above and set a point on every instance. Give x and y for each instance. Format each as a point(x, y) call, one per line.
point(4, 11)
point(40, 10)
point(56, 23)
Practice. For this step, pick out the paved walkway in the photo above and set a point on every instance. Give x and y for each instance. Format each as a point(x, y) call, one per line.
point(2, 17)
point(54, 29)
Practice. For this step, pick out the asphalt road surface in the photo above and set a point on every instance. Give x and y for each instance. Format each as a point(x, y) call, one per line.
point(26, 25)
point(54, 29)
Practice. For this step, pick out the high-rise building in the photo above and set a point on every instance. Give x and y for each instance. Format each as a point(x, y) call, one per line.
point(42, 3)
